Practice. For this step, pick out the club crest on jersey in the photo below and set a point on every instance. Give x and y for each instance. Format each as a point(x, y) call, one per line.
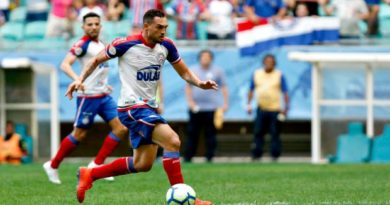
point(150, 73)
point(78, 51)
point(160, 58)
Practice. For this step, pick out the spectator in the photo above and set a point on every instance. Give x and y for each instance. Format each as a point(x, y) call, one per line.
point(58, 24)
point(187, 14)
point(350, 12)
point(203, 105)
point(372, 20)
point(301, 10)
point(37, 10)
point(220, 16)
point(2, 18)
point(12, 148)
point(311, 6)
point(256, 9)
point(138, 9)
point(91, 6)
point(269, 85)
point(238, 7)
point(4, 8)
point(115, 10)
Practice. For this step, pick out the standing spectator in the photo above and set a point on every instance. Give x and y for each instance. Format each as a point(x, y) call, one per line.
point(256, 9)
point(91, 6)
point(58, 24)
point(115, 10)
point(4, 8)
point(37, 10)
point(350, 12)
point(372, 20)
point(2, 18)
point(221, 24)
point(187, 14)
point(269, 85)
point(238, 7)
point(203, 105)
point(138, 9)
point(11, 146)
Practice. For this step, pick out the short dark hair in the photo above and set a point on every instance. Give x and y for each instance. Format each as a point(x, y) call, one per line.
point(10, 122)
point(206, 51)
point(269, 56)
point(150, 14)
point(90, 14)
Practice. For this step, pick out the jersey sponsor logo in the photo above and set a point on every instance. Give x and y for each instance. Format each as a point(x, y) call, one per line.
point(150, 73)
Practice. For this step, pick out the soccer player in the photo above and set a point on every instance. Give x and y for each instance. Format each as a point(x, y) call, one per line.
point(95, 99)
point(141, 58)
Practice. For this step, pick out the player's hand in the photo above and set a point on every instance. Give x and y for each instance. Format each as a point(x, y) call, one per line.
point(110, 88)
point(74, 86)
point(160, 108)
point(210, 84)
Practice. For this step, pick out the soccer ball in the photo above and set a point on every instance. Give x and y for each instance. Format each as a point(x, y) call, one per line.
point(181, 194)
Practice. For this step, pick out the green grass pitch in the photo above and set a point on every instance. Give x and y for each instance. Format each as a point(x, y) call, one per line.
point(224, 184)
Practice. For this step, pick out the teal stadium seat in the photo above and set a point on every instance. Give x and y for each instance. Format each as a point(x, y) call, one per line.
point(21, 129)
point(18, 15)
point(12, 31)
point(172, 28)
point(381, 146)
point(202, 30)
point(47, 44)
point(353, 147)
point(384, 19)
point(35, 30)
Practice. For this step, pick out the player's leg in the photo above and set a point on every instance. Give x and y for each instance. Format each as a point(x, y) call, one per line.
point(142, 161)
point(86, 111)
point(210, 135)
point(194, 127)
point(108, 111)
point(164, 136)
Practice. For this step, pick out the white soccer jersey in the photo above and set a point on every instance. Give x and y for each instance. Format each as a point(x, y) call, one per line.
point(140, 66)
point(96, 83)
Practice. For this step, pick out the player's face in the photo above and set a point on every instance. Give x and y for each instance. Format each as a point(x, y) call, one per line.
point(157, 29)
point(92, 27)
point(269, 64)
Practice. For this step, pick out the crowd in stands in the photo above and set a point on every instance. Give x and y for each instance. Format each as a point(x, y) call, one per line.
point(189, 19)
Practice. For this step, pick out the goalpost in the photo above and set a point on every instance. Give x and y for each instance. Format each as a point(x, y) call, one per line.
point(21, 101)
point(320, 60)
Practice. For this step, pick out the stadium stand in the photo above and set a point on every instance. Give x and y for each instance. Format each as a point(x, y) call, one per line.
point(352, 147)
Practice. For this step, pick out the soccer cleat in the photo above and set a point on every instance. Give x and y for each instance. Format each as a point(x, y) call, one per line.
point(200, 202)
point(92, 164)
point(84, 182)
point(51, 173)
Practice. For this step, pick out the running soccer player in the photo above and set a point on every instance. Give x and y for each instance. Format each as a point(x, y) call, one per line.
point(141, 58)
point(95, 99)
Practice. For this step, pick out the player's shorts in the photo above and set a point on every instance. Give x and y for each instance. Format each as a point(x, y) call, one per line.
point(140, 122)
point(88, 107)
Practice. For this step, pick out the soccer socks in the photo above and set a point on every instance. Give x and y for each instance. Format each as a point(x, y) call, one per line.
point(109, 144)
point(67, 146)
point(171, 163)
point(121, 166)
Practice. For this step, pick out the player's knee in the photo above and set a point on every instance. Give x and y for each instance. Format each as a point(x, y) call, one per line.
point(121, 132)
point(174, 143)
point(143, 166)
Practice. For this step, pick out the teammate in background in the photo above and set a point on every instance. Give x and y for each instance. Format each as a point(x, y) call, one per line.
point(141, 58)
point(95, 99)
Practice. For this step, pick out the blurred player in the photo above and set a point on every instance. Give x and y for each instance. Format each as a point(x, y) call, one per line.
point(95, 99)
point(141, 58)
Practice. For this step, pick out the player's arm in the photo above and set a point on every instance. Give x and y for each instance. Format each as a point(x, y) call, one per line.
point(66, 66)
point(187, 75)
point(87, 70)
point(160, 89)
